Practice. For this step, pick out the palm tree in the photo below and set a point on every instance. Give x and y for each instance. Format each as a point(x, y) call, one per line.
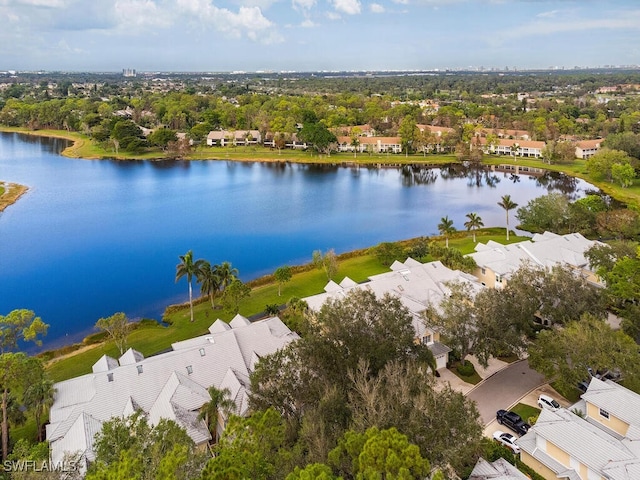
point(473, 224)
point(226, 273)
point(219, 403)
point(446, 228)
point(39, 397)
point(209, 280)
point(187, 267)
point(507, 204)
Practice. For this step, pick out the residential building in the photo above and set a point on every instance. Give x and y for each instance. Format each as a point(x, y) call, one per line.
point(370, 144)
point(438, 133)
point(237, 137)
point(498, 470)
point(516, 148)
point(497, 262)
point(171, 385)
point(417, 285)
point(588, 148)
point(504, 133)
point(605, 444)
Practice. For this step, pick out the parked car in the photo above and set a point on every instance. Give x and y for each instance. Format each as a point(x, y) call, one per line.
point(583, 386)
point(507, 440)
point(513, 421)
point(545, 401)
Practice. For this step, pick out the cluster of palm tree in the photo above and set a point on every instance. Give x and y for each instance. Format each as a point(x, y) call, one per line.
point(474, 222)
point(213, 279)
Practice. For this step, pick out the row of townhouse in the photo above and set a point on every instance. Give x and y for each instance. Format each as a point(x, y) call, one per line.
point(171, 385)
point(374, 144)
point(419, 285)
point(517, 143)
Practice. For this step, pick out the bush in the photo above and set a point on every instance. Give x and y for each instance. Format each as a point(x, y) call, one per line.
point(466, 368)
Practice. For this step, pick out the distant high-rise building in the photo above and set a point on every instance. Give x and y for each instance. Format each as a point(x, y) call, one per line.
point(128, 72)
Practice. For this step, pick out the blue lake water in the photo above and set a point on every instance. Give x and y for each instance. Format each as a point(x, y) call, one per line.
point(94, 237)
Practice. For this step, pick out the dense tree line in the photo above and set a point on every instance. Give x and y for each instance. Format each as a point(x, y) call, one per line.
point(557, 105)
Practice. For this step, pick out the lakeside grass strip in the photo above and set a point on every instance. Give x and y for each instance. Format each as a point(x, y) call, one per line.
point(151, 337)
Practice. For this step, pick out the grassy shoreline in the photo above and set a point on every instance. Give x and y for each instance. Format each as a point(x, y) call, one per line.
point(10, 193)
point(83, 147)
point(151, 337)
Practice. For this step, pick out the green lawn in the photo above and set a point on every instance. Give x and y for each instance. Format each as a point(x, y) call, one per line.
point(473, 379)
point(150, 337)
point(526, 411)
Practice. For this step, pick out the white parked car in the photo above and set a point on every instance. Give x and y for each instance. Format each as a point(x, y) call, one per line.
point(545, 401)
point(507, 440)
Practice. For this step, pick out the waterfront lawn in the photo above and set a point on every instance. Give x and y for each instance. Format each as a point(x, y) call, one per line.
point(151, 337)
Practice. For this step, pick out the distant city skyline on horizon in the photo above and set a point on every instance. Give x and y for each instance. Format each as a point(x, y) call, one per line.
point(255, 36)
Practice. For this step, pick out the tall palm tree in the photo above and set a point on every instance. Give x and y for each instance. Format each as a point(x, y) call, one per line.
point(446, 228)
point(507, 204)
point(209, 281)
point(187, 267)
point(219, 403)
point(39, 397)
point(473, 224)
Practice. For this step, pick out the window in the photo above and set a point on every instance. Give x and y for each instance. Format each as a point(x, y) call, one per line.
point(202, 353)
point(189, 369)
point(426, 339)
point(109, 377)
point(484, 271)
point(604, 413)
point(498, 279)
point(139, 367)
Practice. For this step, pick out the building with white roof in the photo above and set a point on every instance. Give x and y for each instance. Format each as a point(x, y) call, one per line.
point(497, 262)
point(171, 385)
point(498, 470)
point(417, 285)
point(603, 445)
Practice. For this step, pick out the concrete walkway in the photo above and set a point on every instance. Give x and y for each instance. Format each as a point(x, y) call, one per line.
point(456, 383)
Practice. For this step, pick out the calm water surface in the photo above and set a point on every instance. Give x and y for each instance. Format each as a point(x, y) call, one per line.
point(93, 237)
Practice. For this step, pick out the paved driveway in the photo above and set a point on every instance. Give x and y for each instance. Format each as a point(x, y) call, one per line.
point(504, 388)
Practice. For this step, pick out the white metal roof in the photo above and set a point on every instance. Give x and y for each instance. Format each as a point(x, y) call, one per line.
point(170, 385)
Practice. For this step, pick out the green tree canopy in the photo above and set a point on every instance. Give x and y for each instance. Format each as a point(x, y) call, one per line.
point(131, 448)
point(117, 326)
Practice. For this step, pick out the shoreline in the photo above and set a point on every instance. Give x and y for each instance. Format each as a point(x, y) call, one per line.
point(12, 193)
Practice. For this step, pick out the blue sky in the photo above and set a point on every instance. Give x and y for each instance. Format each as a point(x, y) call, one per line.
point(304, 35)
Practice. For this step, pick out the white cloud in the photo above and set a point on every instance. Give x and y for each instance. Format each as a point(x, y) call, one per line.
point(141, 13)
point(350, 7)
point(376, 8)
point(308, 23)
point(544, 26)
point(248, 21)
point(549, 14)
point(333, 16)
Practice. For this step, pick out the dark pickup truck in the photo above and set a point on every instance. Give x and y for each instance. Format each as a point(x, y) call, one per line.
point(513, 421)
